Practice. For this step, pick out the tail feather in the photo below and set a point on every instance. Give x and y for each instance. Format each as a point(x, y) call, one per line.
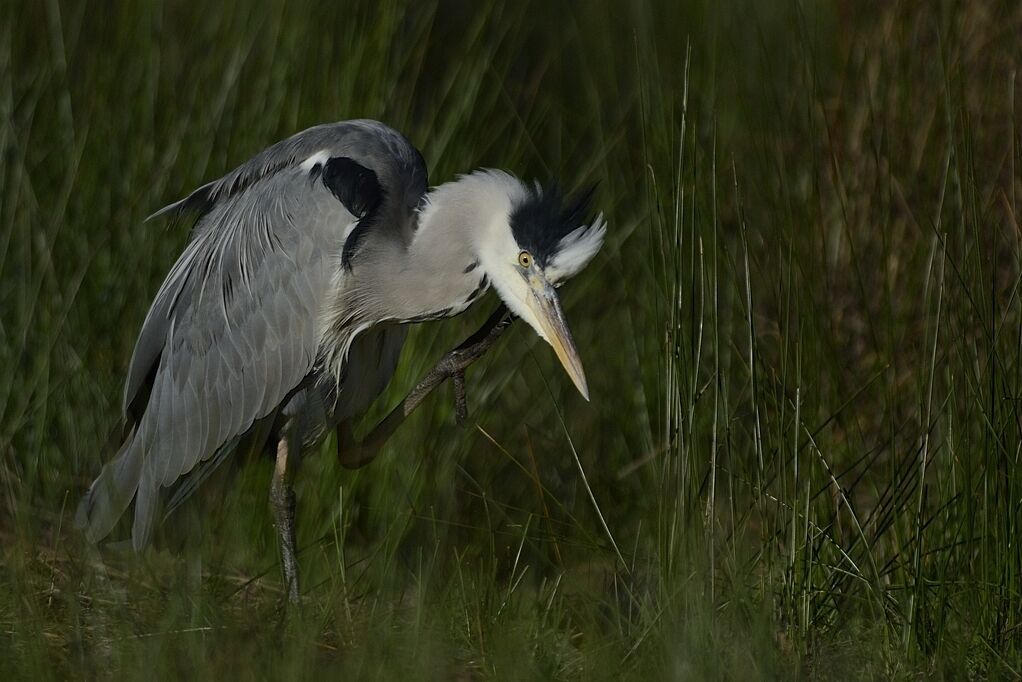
point(111, 493)
point(147, 501)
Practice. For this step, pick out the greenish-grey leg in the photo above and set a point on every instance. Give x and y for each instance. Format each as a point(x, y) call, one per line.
point(282, 501)
point(354, 454)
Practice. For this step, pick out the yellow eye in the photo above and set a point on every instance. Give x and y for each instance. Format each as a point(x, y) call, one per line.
point(525, 259)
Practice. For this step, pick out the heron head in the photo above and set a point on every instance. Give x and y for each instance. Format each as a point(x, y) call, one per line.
point(544, 240)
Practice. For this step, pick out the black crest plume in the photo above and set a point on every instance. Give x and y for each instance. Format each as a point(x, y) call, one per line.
point(541, 220)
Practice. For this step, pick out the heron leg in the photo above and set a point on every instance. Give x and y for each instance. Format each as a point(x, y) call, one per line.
point(282, 500)
point(353, 454)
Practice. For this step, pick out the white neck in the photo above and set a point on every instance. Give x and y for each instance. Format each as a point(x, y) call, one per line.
point(440, 272)
point(469, 210)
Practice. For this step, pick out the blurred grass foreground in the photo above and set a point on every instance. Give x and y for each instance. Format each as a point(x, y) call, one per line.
point(803, 338)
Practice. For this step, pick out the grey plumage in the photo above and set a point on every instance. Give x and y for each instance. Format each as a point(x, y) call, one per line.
point(233, 330)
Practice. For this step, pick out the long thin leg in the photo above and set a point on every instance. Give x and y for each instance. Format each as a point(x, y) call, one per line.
point(354, 454)
point(282, 500)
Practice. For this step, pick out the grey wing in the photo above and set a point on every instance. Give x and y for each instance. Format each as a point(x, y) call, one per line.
point(240, 311)
point(234, 328)
point(396, 164)
point(387, 152)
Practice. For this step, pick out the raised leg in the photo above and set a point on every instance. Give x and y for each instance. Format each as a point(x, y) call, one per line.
point(282, 501)
point(354, 454)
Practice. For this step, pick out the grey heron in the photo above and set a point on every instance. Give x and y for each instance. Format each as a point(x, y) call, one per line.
point(287, 310)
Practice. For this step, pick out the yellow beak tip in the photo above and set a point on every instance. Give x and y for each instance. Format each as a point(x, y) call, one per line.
point(583, 388)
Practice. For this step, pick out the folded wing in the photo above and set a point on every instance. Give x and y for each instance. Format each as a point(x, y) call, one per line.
point(235, 327)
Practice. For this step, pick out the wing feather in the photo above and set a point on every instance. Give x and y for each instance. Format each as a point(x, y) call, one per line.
point(235, 327)
point(236, 320)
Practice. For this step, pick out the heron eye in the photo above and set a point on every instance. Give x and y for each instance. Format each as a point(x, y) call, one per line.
point(525, 259)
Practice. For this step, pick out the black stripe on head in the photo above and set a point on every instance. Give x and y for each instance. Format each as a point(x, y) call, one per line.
point(358, 188)
point(544, 217)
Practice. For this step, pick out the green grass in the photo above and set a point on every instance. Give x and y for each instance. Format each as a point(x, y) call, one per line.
point(803, 339)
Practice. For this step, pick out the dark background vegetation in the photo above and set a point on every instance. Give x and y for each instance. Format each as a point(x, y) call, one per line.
point(803, 339)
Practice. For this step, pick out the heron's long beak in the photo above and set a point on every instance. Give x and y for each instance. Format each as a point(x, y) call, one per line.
point(546, 306)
